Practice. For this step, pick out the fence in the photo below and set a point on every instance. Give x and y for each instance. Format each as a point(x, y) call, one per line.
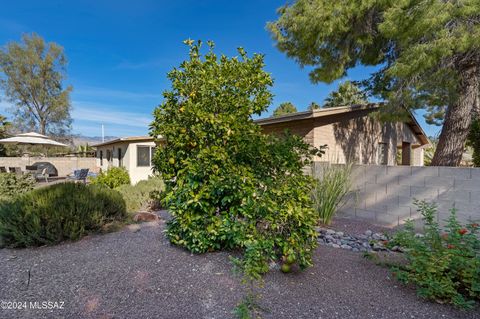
point(64, 165)
point(385, 194)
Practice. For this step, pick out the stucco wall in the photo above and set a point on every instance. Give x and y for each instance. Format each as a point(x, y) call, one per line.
point(352, 137)
point(385, 194)
point(301, 128)
point(64, 165)
point(137, 173)
point(129, 159)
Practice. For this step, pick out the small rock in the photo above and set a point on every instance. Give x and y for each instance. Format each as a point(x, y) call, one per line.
point(378, 247)
point(335, 246)
point(330, 232)
point(274, 266)
point(379, 236)
point(346, 247)
point(340, 233)
point(134, 228)
point(418, 235)
point(355, 249)
point(321, 230)
point(368, 233)
point(329, 238)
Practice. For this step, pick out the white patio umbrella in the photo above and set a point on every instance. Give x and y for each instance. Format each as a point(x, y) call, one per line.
point(31, 138)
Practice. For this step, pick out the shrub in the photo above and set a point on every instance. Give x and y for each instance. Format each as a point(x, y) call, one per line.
point(227, 184)
point(58, 212)
point(330, 190)
point(112, 178)
point(445, 266)
point(139, 196)
point(12, 184)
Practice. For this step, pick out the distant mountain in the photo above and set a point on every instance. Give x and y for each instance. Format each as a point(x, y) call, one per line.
point(82, 140)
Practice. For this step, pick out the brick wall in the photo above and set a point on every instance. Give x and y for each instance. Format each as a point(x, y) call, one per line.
point(385, 194)
point(64, 165)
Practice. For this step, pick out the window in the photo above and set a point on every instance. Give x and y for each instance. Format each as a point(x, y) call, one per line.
point(382, 154)
point(101, 158)
point(152, 153)
point(119, 151)
point(109, 155)
point(143, 156)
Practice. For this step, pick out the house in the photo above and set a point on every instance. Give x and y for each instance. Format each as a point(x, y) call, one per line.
point(134, 153)
point(349, 132)
point(351, 135)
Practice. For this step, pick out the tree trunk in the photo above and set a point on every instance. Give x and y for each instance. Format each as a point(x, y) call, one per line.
point(43, 127)
point(455, 129)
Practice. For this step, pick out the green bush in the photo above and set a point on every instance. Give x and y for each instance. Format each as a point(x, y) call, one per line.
point(139, 196)
point(445, 266)
point(330, 190)
point(112, 178)
point(12, 184)
point(58, 212)
point(228, 185)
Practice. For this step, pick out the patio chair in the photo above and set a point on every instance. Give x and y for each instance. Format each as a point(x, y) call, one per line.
point(79, 175)
point(42, 175)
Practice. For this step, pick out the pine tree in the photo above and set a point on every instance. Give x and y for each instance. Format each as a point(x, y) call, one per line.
point(427, 53)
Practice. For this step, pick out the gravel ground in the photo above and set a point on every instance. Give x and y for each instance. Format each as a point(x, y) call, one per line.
point(357, 226)
point(136, 273)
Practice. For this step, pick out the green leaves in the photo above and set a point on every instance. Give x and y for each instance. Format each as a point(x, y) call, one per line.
point(284, 108)
point(426, 55)
point(348, 93)
point(51, 214)
point(12, 184)
point(112, 178)
point(444, 265)
point(34, 72)
point(228, 186)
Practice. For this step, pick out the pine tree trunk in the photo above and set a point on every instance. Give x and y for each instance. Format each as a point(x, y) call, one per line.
point(455, 129)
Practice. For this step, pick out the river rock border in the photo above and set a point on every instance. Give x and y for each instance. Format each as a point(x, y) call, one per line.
point(367, 242)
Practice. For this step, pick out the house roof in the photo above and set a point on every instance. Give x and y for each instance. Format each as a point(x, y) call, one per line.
point(126, 139)
point(299, 116)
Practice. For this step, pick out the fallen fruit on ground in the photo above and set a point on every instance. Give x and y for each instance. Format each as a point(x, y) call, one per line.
point(286, 268)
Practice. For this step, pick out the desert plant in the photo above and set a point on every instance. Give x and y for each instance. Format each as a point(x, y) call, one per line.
point(330, 190)
point(58, 212)
point(229, 186)
point(139, 196)
point(12, 184)
point(444, 265)
point(112, 178)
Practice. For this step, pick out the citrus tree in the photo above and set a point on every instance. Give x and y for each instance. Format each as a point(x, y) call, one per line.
point(227, 184)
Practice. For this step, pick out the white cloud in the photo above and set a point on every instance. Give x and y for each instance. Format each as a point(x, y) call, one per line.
point(106, 114)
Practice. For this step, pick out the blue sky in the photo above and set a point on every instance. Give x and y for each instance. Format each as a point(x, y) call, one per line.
point(120, 51)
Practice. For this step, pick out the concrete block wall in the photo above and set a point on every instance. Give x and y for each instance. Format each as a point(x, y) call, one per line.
point(385, 194)
point(64, 165)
